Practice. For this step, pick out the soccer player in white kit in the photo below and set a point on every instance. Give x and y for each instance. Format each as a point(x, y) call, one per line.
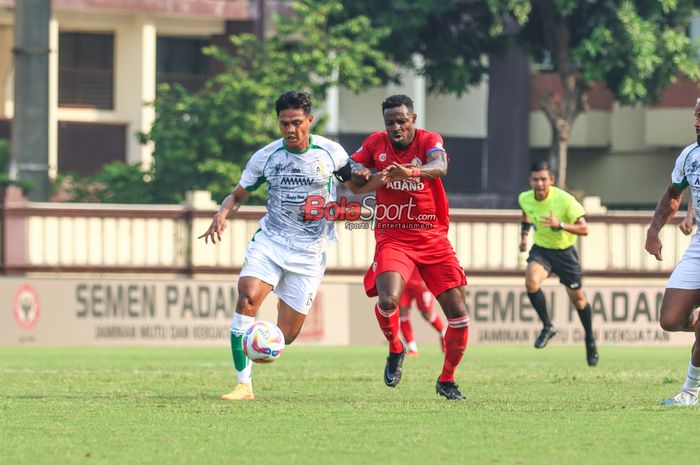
point(682, 294)
point(287, 254)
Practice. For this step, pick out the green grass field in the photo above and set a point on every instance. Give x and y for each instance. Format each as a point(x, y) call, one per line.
point(330, 406)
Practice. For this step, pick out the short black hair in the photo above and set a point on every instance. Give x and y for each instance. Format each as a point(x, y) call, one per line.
point(541, 165)
point(293, 100)
point(396, 101)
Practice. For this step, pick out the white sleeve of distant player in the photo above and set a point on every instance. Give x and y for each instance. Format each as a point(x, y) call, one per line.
point(253, 176)
point(678, 174)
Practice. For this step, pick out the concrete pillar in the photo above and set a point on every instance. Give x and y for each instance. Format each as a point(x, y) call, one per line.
point(30, 125)
point(7, 41)
point(53, 98)
point(332, 112)
point(136, 83)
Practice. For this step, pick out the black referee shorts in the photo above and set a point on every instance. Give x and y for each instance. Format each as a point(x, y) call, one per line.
point(563, 263)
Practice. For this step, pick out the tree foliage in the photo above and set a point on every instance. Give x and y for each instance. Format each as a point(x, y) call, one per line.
point(202, 140)
point(636, 48)
point(5, 168)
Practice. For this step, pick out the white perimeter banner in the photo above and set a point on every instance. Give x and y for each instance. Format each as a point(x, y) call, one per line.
point(88, 311)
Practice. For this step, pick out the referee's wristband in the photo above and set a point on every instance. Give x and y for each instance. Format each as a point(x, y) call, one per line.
point(561, 226)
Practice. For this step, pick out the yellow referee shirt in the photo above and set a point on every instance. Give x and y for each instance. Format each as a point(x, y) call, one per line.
point(558, 202)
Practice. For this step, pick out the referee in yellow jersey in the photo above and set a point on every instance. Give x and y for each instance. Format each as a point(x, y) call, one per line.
point(557, 218)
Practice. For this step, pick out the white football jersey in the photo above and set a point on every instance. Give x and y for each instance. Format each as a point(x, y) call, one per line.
point(686, 173)
point(291, 179)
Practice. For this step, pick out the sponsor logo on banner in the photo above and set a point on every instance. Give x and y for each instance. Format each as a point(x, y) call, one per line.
point(26, 307)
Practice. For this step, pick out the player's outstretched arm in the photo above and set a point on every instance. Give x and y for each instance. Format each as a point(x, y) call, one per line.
point(231, 203)
point(359, 179)
point(666, 209)
point(435, 166)
point(375, 182)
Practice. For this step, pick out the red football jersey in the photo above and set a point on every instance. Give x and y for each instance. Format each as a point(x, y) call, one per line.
point(411, 209)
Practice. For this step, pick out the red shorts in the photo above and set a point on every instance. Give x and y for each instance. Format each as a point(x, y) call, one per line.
point(435, 260)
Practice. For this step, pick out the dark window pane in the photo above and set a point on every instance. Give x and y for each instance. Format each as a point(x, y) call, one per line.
point(86, 147)
point(181, 60)
point(86, 70)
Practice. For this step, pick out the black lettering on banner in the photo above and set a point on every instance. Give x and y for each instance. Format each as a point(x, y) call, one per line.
point(552, 305)
point(617, 297)
point(171, 298)
point(96, 300)
point(598, 306)
point(203, 301)
point(133, 299)
point(115, 304)
point(642, 307)
point(82, 302)
point(480, 305)
point(501, 312)
point(179, 332)
point(149, 301)
point(187, 305)
point(525, 305)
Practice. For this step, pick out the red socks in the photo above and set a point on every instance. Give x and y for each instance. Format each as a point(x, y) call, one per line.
point(455, 343)
point(389, 324)
point(436, 321)
point(406, 328)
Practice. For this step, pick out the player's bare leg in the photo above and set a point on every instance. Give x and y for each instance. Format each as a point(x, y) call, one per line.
point(390, 286)
point(677, 314)
point(535, 274)
point(289, 321)
point(251, 293)
point(453, 303)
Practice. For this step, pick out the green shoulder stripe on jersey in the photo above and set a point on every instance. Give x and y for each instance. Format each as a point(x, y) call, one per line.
point(261, 180)
point(252, 239)
point(681, 185)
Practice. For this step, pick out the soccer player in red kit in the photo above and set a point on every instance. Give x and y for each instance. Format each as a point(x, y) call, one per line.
point(415, 289)
point(412, 219)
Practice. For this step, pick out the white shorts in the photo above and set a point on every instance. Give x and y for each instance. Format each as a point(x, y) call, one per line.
point(295, 276)
point(686, 275)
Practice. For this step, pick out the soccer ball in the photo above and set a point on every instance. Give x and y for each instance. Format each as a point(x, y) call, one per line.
point(263, 342)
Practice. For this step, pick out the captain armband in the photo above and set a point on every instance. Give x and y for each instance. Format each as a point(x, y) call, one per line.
point(525, 228)
point(344, 174)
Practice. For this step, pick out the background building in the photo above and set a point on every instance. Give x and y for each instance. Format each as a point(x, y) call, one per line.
point(109, 55)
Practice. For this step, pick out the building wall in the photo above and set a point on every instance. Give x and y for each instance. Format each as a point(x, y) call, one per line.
point(135, 26)
point(623, 154)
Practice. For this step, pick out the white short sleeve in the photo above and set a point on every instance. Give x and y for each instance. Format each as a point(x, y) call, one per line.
point(339, 155)
point(679, 175)
point(253, 175)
